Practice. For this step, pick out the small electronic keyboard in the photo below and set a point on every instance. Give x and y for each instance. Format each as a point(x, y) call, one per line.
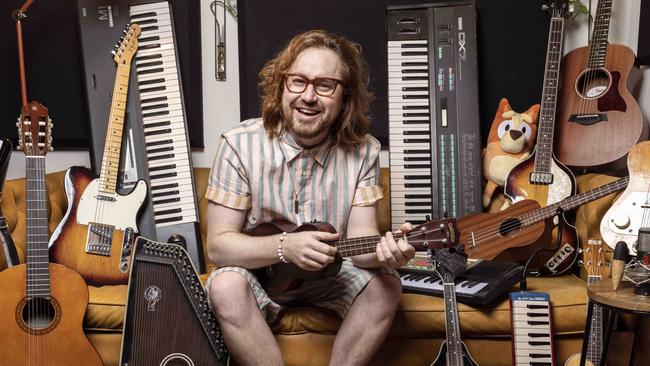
point(483, 282)
point(532, 335)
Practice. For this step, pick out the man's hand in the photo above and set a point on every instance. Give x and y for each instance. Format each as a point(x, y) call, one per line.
point(307, 249)
point(395, 254)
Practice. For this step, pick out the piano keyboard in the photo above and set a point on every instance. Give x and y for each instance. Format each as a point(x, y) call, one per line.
point(433, 113)
point(166, 143)
point(432, 283)
point(531, 329)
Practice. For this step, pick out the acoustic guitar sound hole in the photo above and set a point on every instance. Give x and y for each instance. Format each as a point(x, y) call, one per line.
point(38, 313)
point(593, 83)
point(509, 227)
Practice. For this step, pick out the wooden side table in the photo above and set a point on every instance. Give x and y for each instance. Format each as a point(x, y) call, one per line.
point(623, 300)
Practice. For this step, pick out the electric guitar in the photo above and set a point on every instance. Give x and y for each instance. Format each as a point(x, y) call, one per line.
point(594, 262)
point(630, 210)
point(598, 118)
point(448, 264)
point(282, 276)
point(541, 177)
point(96, 234)
point(43, 304)
point(513, 234)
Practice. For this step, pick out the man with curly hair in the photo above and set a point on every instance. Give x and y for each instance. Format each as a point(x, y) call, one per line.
point(309, 158)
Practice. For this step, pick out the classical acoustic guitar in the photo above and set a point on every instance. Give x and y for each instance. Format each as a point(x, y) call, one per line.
point(43, 304)
point(96, 234)
point(515, 233)
point(431, 235)
point(631, 210)
point(541, 177)
point(598, 118)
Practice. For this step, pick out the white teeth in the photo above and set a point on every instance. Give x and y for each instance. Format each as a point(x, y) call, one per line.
point(307, 112)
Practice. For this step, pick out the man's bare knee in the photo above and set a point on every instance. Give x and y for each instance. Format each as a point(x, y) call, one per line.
point(231, 296)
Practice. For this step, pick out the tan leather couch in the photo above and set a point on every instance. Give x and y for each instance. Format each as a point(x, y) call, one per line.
point(306, 334)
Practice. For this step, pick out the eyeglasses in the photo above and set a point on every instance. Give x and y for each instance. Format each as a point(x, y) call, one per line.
point(324, 87)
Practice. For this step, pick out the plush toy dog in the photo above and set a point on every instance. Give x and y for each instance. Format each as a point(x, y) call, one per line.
point(510, 141)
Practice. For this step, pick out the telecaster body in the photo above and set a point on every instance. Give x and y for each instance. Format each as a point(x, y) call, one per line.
point(81, 241)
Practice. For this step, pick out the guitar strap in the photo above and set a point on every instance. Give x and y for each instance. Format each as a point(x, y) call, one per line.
point(11, 255)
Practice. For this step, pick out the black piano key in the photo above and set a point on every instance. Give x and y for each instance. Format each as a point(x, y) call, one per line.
point(154, 114)
point(415, 96)
point(417, 177)
point(142, 15)
point(165, 186)
point(168, 200)
point(471, 284)
point(417, 152)
point(151, 81)
point(415, 53)
point(167, 193)
point(417, 166)
point(149, 28)
point(539, 343)
point(423, 158)
point(148, 57)
point(414, 204)
point(153, 100)
point(415, 196)
point(147, 21)
point(536, 306)
point(541, 363)
point(157, 143)
point(161, 157)
point(417, 185)
point(414, 107)
point(147, 64)
point(416, 141)
point(160, 176)
point(155, 106)
point(409, 114)
point(158, 150)
point(158, 132)
point(415, 88)
point(413, 45)
point(154, 89)
point(416, 133)
point(539, 355)
point(148, 39)
point(150, 71)
point(169, 219)
point(537, 315)
point(417, 211)
point(162, 167)
point(413, 63)
point(414, 78)
point(413, 71)
point(537, 322)
point(537, 335)
point(149, 46)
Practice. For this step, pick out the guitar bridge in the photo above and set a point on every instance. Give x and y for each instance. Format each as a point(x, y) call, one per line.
point(100, 239)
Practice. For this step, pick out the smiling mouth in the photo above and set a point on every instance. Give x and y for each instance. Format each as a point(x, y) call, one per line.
point(307, 112)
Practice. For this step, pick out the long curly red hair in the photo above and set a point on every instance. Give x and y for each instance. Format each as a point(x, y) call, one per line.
point(353, 123)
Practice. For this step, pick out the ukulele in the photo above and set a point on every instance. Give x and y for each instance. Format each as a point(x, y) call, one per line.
point(513, 234)
point(598, 119)
point(43, 304)
point(448, 264)
point(594, 261)
point(430, 235)
point(96, 234)
point(541, 177)
point(629, 212)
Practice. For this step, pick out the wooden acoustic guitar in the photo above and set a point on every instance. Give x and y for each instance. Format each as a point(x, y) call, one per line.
point(513, 234)
point(448, 264)
point(630, 211)
point(281, 276)
point(541, 177)
point(598, 119)
point(43, 304)
point(96, 234)
point(594, 262)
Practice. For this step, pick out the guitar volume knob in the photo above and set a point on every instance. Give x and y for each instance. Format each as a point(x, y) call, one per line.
point(621, 221)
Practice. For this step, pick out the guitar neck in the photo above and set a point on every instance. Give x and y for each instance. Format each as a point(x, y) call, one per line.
point(454, 344)
point(546, 124)
point(598, 48)
point(574, 201)
point(37, 259)
point(113, 146)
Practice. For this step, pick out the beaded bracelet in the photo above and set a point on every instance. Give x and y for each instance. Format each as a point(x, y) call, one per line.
point(280, 253)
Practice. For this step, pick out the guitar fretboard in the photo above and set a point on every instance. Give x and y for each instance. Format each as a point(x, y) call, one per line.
point(37, 259)
point(454, 346)
point(598, 49)
point(546, 125)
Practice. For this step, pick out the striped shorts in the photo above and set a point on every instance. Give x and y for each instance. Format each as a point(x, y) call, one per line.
point(336, 293)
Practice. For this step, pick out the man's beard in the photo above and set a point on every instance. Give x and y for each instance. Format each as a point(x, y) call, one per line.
point(306, 130)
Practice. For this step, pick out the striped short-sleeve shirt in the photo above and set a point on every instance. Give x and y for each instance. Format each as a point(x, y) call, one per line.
point(273, 178)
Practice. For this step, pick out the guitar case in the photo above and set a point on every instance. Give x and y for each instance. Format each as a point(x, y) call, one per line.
point(168, 319)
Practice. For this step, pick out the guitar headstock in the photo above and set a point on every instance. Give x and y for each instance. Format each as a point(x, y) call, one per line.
point(560, 8)
point(593, 257)
point(436, 234)
point(34, 130)
point(128, 46)
point(449, 263)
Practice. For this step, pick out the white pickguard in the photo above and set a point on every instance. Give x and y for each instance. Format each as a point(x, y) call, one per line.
point(120, 211)
point(630, 207)
point(558, 190)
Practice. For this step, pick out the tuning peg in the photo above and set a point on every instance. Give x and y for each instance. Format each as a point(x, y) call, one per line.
point(545, 7)
point(113, 52)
